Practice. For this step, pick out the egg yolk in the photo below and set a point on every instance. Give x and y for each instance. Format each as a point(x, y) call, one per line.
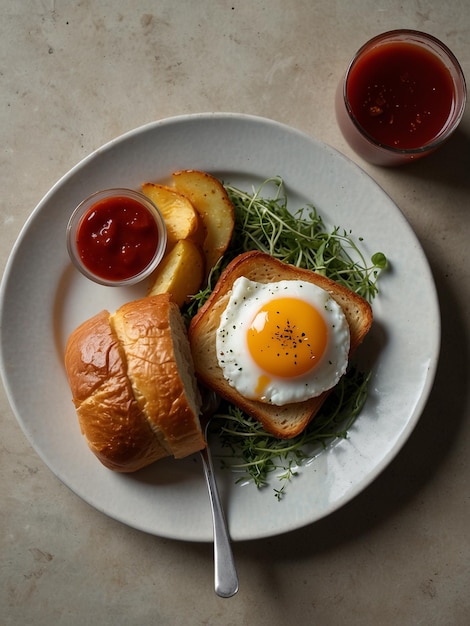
point(287, 337)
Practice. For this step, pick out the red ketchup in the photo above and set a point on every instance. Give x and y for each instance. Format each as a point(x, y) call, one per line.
point(117, 238)
point(401, 94)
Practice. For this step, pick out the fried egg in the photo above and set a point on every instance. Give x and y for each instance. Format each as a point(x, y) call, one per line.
point(282, 342)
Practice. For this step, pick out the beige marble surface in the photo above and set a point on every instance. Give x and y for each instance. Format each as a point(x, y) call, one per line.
point(73, 75)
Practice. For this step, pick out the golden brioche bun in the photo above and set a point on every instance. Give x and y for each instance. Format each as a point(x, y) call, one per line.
point(133, 384)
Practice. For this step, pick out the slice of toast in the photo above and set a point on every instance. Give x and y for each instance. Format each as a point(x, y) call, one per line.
point(289, 420)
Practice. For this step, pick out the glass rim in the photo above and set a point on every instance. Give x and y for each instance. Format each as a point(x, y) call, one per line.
point(459, 102)
point(80, 211)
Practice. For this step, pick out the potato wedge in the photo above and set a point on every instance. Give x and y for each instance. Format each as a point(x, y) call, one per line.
point(209, 198)
point(180, 272)
point(181, 218)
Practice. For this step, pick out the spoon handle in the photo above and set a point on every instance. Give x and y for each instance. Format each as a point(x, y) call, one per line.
point(225, 574)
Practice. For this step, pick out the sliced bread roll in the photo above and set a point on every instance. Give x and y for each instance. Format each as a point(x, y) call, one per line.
point(133, 384)
point(282, 421)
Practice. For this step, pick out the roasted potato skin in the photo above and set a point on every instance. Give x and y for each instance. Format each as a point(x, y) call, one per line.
point(209, 198)
point(199, 217)
point(181, 218)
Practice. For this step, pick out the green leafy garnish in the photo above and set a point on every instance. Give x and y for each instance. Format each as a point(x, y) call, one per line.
point(255, 453)
point(301, 239)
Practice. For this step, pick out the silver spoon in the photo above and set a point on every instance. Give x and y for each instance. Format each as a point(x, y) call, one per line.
point(225, 573)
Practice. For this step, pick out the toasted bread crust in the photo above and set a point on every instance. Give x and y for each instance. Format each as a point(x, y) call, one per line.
point(289, 420)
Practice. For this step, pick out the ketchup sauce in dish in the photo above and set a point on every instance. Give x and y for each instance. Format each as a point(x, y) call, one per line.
point(401, 94)
point(116, 236)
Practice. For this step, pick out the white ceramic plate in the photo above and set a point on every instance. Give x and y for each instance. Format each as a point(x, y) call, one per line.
point(43, 298)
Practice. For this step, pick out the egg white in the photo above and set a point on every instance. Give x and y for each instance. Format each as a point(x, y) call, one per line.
point(239, 368)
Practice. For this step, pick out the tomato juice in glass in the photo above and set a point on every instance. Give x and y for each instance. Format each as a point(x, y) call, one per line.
point(402, 96)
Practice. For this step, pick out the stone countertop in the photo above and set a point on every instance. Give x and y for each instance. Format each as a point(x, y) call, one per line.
point(74, 76)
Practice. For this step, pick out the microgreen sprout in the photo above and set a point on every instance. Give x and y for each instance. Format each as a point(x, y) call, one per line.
point(256, 454)
point(301, 238)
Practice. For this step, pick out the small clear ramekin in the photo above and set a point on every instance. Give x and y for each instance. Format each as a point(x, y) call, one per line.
point(84, 208)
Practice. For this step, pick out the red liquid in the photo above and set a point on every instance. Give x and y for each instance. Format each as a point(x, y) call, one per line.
point(117, 238)
point(401, 94)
